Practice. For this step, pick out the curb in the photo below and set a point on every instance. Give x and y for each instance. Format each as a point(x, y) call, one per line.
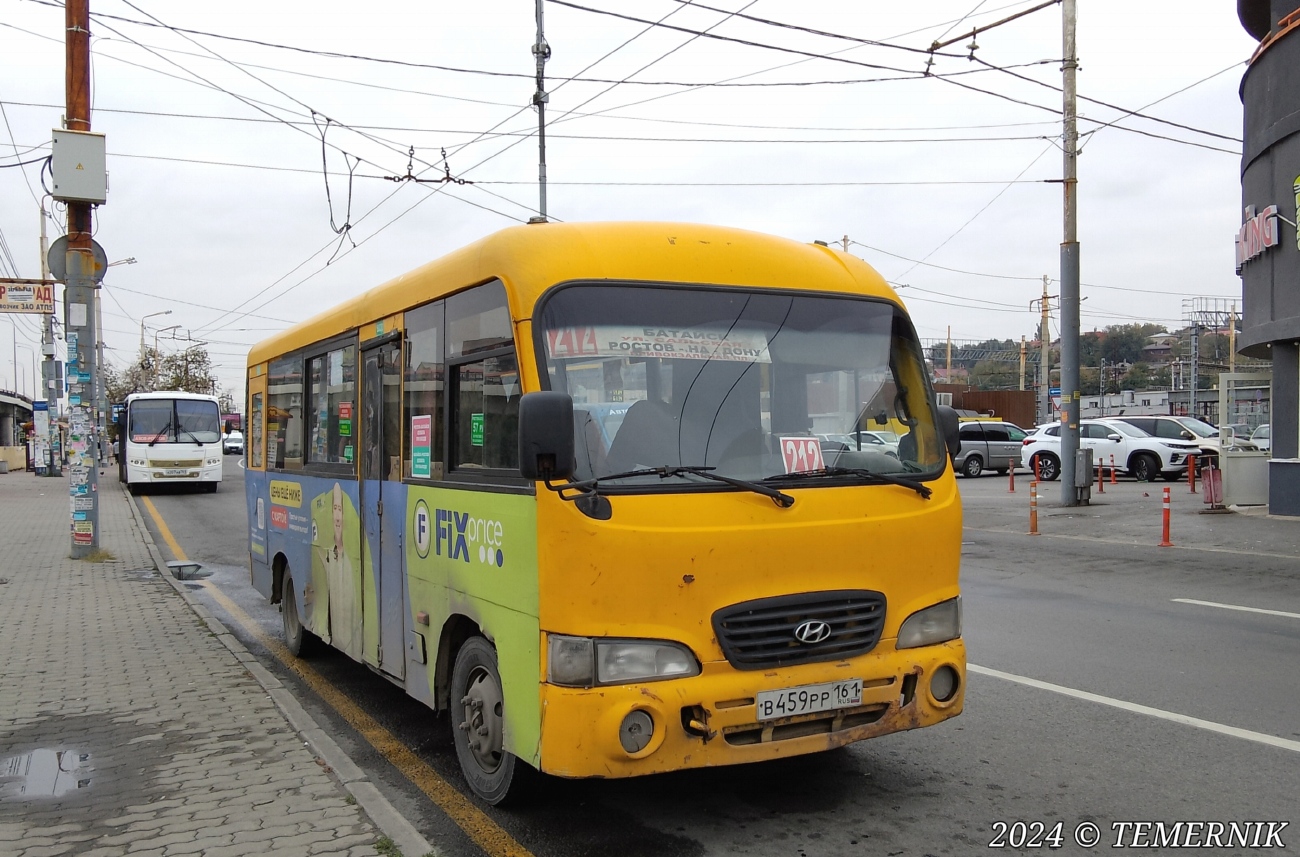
point(386, 818)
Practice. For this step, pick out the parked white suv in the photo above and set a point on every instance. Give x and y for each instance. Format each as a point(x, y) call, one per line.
point(1135, 452)
point(1190, 429)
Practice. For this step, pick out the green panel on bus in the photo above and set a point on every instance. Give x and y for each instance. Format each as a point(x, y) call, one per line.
point(474, 553)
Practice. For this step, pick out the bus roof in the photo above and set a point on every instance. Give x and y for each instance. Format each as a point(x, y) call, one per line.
point(530, 259)
point(171, 394)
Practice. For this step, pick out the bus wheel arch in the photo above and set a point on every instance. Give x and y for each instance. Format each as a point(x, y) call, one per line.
point(278, 567)
point(455, 631)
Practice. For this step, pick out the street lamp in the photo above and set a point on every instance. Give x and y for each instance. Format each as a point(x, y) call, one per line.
point(150, 315)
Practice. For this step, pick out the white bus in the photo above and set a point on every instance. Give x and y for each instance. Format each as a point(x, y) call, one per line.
point(169, 437)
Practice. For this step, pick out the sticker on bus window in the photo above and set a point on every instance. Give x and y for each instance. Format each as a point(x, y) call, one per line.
point(802, 454)
point(616, 340)
point(421, 446)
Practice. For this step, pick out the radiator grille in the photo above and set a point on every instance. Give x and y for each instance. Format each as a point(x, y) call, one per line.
point(761, 634)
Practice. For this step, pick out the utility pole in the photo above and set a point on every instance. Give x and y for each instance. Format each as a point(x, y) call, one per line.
point(948, 367)
point(80, 301)
point(1069, 261)
point(1045, 362)
point(1196, 368)
point(846, 243)
point(49, 376)
point(1232, 338)
point(1022, 362)
point(542, 52)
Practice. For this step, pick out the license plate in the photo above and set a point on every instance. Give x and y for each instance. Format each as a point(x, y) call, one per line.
point(809, 699)
point(175, 473)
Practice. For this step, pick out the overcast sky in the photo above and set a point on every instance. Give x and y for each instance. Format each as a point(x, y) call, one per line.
point(217, 186)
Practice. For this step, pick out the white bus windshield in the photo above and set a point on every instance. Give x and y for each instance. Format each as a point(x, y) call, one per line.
point(174, 421)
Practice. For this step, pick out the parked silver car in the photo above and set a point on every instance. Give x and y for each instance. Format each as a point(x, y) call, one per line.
point(988, 445)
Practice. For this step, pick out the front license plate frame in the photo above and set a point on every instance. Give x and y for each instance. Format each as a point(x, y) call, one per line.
point(173, 473)
point(808, 699)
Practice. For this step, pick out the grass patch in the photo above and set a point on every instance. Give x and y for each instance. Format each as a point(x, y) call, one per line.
point(98, 555)
point(387, 847)
point(350, 800)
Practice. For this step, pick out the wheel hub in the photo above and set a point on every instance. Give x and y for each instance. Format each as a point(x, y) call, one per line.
point(483, 723)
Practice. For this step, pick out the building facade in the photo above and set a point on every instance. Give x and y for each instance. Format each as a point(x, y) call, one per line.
point(1268, 242)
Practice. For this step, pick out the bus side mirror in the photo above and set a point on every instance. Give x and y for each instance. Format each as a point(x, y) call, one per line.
point(951, 427)
point(546, 436)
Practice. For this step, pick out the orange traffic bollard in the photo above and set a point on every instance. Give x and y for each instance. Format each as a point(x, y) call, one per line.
point(1101, 477)
point(1011, 473)
point(1112, 470)
point(1033, 508)
point(1164, 539)
point(1036, 476)
point(1191, 472)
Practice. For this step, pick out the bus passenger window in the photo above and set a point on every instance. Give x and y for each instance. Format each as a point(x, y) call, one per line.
point(422, 412)
point(284, 414)
point(255, 432)
point(487, 414)
point(332, 415)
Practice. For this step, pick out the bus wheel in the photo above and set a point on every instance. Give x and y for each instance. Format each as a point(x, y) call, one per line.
point(478, 724)
point(134, 488)
point(211, 487)
point(297, 639)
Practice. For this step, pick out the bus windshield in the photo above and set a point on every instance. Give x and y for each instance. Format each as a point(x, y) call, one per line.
point(740, 381)
point(174, 421)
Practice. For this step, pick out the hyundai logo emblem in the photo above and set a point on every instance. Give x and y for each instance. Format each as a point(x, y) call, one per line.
point(812, 631)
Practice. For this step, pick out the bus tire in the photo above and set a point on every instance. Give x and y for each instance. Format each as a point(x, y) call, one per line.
point(478, 725)
point(211, 487)
point(134, 488)
point(298, 640)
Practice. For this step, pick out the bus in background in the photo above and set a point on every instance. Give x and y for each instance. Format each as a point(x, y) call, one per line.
point(564, 485)
point(169, 437)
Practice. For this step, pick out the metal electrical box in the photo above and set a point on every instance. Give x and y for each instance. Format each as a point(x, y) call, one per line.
point(79, 167)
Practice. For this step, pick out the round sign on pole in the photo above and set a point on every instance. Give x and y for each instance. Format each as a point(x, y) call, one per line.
point(57, 260)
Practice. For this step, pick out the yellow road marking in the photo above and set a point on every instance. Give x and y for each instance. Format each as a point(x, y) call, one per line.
point(485, 832)
point(162, 528)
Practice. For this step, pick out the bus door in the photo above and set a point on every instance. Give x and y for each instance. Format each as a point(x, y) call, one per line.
point(381, 420)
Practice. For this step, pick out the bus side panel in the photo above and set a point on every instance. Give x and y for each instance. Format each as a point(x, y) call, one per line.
point(337, 571)
point(289, 533)
point(255, 498)
point(474, 554)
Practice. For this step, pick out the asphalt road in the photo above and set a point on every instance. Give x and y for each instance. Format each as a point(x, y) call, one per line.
point(1094, 698)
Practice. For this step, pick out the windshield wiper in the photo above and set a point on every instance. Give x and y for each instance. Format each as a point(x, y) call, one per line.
point(592, 486)
point(191, 434)
point(162, 434)
point(860, 472)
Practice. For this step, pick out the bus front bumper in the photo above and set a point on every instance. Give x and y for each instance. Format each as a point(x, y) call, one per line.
point(712, 719)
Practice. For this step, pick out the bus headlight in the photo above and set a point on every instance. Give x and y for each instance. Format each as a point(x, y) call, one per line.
point(936, 624)
point(212, 461)
point(584, 662)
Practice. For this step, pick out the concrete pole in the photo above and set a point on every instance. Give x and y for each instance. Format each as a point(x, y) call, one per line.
point(80, 301)
point(542, 52)
point(1069, 263)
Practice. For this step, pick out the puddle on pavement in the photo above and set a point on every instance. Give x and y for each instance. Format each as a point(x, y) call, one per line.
point(143, 573)
point(187, 570)
point(45, 773)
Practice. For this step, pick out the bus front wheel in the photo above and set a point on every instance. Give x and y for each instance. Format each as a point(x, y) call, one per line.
point(478, 724)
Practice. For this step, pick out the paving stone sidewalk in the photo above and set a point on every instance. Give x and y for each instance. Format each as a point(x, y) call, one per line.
point(126, 726)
